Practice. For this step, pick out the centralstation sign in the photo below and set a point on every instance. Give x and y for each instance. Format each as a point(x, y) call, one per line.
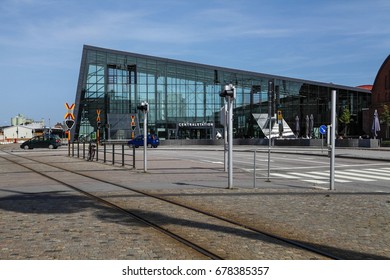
point(196, 124)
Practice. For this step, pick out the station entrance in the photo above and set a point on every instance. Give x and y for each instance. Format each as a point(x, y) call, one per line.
point(195, 131)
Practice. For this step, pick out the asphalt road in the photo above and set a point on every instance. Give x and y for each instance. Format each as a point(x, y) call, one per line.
point(357, 170)
point(306, 167)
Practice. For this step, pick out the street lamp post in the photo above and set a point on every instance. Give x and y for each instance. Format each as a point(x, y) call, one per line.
point(333, 141)
point(271, 97)
point(229, 92)
point(144, 107)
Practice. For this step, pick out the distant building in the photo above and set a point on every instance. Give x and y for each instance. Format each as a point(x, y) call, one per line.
point(21, 119)
point(18, 132)
point(380, 97)
point(184, 101)
point(24, 132)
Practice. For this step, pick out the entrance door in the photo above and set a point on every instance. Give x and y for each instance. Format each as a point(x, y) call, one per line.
point(195, 133)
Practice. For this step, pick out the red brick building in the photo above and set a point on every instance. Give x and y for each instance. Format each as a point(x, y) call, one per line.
point(380, 96)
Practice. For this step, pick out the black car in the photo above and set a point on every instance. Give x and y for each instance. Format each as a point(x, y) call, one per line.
point(43, 141)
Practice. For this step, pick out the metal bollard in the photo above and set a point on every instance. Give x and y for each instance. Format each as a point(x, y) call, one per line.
point(104, 152)
point(254, 169)
point(83, 150)
point(133, 157)
point(123, 154)
point(97, 150)
point(269, 163)
point(113, 153)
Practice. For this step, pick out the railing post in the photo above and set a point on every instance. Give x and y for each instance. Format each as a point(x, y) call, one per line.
point(72, 149)
point(104, 152)
point(269, 161)
point(97, 150)
point(78, 149)
point(133, 157)
point(254, 169)
point(123, 154)
point(113, 153)
point(83, 150)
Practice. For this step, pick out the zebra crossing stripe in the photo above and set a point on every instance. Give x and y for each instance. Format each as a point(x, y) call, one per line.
point(316, 181)
point(338, 178)
point(381, 170)
point(375, 172)
point(308, 175)
point(349, 176)
point(369, 175)
point(288, 176)
point(341, 176)
point(320, 177)
point(285, 176)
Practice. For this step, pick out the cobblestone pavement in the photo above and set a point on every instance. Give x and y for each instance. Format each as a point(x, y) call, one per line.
point(41, 219)
point(353, 225)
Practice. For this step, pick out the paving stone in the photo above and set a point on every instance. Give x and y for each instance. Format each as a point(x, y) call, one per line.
point(41, 219)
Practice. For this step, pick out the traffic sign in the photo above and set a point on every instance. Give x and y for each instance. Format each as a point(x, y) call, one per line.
point(133, 126)
point(323, 129)
point(69, 123)
point(98, 115)
point(69, 114)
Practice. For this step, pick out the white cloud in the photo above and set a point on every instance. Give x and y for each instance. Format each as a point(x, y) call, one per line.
point(339, 41)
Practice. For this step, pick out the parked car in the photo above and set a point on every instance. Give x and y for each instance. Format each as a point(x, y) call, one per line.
point(43, 141)
point(153, 141)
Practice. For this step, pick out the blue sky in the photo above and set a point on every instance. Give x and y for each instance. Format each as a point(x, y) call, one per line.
point(343, 42)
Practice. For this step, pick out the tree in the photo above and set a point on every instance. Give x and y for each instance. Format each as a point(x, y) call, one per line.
point(345, 119)
point(385, 117)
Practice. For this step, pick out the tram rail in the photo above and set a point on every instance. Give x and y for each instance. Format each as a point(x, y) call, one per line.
point(182, 239)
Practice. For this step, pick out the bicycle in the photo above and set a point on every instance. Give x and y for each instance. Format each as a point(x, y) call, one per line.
point(91, 151)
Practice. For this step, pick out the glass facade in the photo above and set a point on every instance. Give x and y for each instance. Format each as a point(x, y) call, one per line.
point(184, 101)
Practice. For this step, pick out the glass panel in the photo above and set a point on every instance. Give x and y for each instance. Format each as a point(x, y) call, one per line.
point(187, 93)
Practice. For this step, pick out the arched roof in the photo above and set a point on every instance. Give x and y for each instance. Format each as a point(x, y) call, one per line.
point(385, 65)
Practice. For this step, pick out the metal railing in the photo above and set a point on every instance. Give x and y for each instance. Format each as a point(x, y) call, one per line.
point(117, 153)
point(92, 150)
point(271, 171)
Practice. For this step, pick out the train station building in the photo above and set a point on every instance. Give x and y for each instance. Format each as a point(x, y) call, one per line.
point(184, 100)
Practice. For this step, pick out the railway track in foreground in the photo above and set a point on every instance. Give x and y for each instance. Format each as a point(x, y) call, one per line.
point(209, 234)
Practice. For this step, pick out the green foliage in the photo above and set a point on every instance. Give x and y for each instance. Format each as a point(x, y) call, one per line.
point(385, 117)
point(345, 117)
point(385, 143)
